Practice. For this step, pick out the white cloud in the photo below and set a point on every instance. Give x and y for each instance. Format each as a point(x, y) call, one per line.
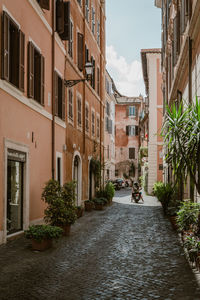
point(127, 77)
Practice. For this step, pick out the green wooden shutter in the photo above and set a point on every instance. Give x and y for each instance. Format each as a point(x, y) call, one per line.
point(42, 79)
point(5, 46)
point(21, 60)
point(63, 101)
point(30, 70)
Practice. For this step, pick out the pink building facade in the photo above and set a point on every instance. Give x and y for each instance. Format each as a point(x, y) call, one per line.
point(151, 64)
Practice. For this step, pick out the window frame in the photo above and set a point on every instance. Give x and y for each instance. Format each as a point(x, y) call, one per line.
point(70, 104)
point(79, 113)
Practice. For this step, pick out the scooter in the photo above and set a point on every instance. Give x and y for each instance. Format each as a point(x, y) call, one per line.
point(136, 197)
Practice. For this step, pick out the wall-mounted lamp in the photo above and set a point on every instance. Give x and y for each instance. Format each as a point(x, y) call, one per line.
point(88, 72)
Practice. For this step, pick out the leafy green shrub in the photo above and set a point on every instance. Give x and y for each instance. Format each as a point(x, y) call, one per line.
point(164, 193)
point(61, 209)
point(192, 244)
point(40, 232)
point(188, 216)
point(98, 201)
point(108, 192)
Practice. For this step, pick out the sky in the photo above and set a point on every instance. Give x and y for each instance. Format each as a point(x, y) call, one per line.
point(131, 25)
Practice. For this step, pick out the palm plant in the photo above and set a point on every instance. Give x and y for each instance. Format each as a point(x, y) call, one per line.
point(181, 131)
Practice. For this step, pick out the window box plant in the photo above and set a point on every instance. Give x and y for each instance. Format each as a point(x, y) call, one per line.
point(42, 235)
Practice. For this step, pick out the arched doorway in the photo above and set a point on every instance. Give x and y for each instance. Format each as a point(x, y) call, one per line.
point(77, 176)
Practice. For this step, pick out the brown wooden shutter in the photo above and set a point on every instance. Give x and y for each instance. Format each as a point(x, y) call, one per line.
point(65, 35)
point(182, 16)
point(5, 46)
point(60, 16)
point(30, 70)
point(127, 111)
point(189, 9)
point(63, 100)
point(127, 130)
point(56, 93)
point(44, 4)
point(42, 79)
point(136, 130)
point(80, 51)
point(21, 60)
point(93, 76)
point(136, 111)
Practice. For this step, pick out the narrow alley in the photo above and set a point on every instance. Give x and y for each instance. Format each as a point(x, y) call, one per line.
point(127, 251)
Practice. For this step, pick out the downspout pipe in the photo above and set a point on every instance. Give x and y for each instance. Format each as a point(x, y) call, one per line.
point(52, 89)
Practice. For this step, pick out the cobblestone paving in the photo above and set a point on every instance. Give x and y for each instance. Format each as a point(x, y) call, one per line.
point(127, 251)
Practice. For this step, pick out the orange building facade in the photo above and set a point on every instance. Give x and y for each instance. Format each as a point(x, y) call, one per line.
point(48, 129)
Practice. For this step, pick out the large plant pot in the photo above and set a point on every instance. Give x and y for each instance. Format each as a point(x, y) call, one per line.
point(41, 245)
point(98, 206)
point(173, 220)
point(66, 229)
point(89, 206)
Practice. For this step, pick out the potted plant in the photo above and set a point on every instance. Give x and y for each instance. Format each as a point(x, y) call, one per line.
point(98, 203)
point(79, 211)
point(42, 235)
point(61, 210)
point(89, 205)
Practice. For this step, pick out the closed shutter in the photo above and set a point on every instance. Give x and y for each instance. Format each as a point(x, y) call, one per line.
point(93, 75)
point(189, 9)
point(136, 111)
point(56, 93)
point(44, 4)
point(80, 51)
point(110, 127)
point(182, 16)
point(98, 81)
point(21, 60)
point(63, 101)
point(131, 153)
point(136, 130)
point(5, 46)
point(42, 79)
point(65, 35)
point(127, 130)
point(30, 70)
point(107, 124)
point(127, 111)
point(60, 16)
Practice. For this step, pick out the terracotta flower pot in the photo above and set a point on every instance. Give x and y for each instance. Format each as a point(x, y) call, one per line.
point(98, 206)
point(41, 245)
point(88, 206)
point(66, 229)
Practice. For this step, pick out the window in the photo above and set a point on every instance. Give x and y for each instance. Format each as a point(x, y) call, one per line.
point(98, 33)
point(116, 173)
point(13, 42)
point(87, 10)
point(87, 118)
point(110, 126)
point(132, 130)
point(80, 51)
point(131, 153)
point(132, 111)
point(108, 108)
point(63, 26)
point(93, 20)
point(59, 97)
point(35, 74)
point(93, 72)
point(79, 111)
point(71, 43)
point(93, 123)
point(70, 105)
point(98, 81)
point(44, 4)
point(98, 127)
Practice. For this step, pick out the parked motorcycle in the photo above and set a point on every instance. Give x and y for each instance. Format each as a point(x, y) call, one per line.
point(135, 197)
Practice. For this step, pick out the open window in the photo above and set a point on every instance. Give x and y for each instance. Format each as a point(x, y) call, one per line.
point(59, 97)
point(63, 27)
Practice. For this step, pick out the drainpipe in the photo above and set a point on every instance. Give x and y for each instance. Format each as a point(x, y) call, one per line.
point(52, 89)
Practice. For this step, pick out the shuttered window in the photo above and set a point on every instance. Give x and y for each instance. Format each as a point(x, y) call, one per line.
point(132, 130)
point(66, 30)
point(13, 42)
point(71, 42)
point(87, 118)
point(59, 90)
point(110, 126)
point(98, 127)
point(59, 16)
point(44, 4)
point(98, 81)
point(108, 108)
point(93, 73)
point(98, 33)
point(36, 74)
point(87, 10)
point(80, 51)
point(131, 153)
point(93, 123)
point(93, 20)
point(79, 111)
point(70, 105)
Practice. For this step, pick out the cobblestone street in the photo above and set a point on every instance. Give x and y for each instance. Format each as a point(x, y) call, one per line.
point(127, 251)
